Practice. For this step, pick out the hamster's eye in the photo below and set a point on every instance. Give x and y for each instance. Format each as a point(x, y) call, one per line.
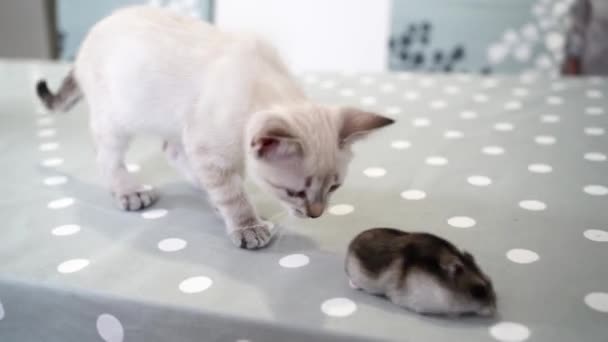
point(478, 292)
point(334, 187)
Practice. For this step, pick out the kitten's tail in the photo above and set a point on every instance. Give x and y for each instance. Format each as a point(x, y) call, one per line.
point(66, 97)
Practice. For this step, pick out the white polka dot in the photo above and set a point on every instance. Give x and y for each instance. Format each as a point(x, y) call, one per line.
point(73, 265)
point(504, 126)
point(596, 80)
point(61, 203)
point(555, 100)
point(329, 84)
point(374, 172)
point(368, 101)
point(47, 133)
point(153, 214)
point(451, 90)
point(480, 98)
point(65, 230)
point(294, 261)
point(427, 82)
point(393, 110)
point(596, 235)
point(146, 187)
point(347, 92)
point(522, 53)
point(549, 119)
point(311, 79)
point(172, 244)
point(545, 140)
point(479, 180)
point(596, 190)
point(594, 94)
point(594, 111)
point(513, 105)
point(543, 62)
point(493, 150)
point(522, 256)
point(453, 134)
point(438, 104)
point(401, 144)
point(52, 162)
point(411, 95)
point(595, 156)
point(530, 32)
point(497, 52)
point(55, 180)
point(554, 41)
point(532, 205)
point(540, 168)
point(489, 83)
point(594, 131)
point(598, 301)
point(341, 209)
point(404, 76)
point(421, 122)
point(509, 332)
point(436, 161)
point(527, 77)
point(51, 146)
point(133, 168)
point(468, 115)
point(195, 284)
point(109, 328)
point(461, 222)
point(338, 307)
point(413, 195)
point(45, 121)
point(387, 88)
point(521, 92)
point(367, 80)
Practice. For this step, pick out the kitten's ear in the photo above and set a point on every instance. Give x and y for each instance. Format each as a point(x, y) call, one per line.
point(356, 124)
point(276, 143)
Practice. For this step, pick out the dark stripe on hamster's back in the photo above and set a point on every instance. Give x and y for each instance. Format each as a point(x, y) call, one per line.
point(377, 248)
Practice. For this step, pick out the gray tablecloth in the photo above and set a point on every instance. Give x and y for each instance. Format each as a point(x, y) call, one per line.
point(511, 168)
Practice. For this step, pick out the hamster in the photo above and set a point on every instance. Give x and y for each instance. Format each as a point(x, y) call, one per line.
point(419, 271)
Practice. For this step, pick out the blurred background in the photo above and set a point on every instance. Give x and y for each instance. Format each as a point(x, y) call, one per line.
point(477, 36)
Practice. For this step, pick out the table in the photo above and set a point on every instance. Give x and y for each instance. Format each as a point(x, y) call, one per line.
point(511, 168)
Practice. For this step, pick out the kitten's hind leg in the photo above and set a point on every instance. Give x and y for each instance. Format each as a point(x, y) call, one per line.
point(176, 156)
point(111, 148)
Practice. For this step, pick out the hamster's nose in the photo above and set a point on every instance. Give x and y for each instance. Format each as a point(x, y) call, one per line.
point(315, 210)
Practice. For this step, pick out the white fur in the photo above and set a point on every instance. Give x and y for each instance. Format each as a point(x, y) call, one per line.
point(209, 95)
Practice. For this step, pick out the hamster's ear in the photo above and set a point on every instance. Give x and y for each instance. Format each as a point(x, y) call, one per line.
point(452, 266)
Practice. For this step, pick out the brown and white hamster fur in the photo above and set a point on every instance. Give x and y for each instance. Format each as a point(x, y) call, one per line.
point(419, 271)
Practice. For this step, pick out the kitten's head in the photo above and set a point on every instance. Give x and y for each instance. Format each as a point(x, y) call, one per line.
point(301, 154)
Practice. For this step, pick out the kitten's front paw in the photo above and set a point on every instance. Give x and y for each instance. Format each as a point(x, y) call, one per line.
point(137, 200)
point(252, 237)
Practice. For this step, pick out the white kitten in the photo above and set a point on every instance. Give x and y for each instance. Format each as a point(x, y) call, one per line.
point(223, 103)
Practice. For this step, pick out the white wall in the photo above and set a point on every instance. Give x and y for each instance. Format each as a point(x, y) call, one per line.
point(316, 35)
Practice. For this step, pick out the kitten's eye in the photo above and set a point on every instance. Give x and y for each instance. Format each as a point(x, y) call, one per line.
point(334, 187)
point(293, 193)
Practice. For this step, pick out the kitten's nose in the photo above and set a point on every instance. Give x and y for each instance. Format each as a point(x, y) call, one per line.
point(315, 210)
